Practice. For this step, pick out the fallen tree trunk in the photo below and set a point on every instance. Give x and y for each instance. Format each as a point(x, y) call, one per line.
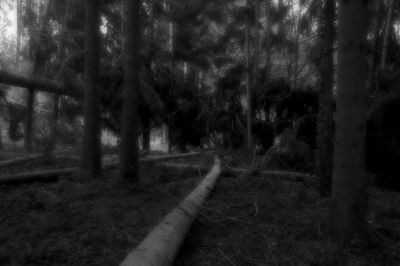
point(45, 175)
point(151, 98)
point(161, 246)
point(38, 83)
point(10, 162)
point(109, 163)
point(282, 175)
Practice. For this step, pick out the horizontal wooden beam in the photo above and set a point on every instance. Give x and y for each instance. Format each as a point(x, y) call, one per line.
point(39, 84)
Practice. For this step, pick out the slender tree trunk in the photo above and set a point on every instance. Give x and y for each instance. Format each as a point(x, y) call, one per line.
point(29, 113)
point(129, 142)
point(172, 78)
point(377, 24)
point(54, 121)
point(324, 156)
point(146, 134)
point(349, 177)
point(388, 32)
point(268, 42)
point(30, 93)
point(296, 31)
point(37, 69)
point(146, 123)
point(18, 49)
point(256, 41)
point(248, 80)
point(56, 99)
point(91, 142)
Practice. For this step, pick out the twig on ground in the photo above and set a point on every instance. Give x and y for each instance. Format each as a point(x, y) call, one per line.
point(226, 257)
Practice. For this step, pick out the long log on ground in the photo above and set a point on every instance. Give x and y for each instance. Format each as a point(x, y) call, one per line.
point(46, 175)
point(161, 246)
point(283, 175)
point(11, 162)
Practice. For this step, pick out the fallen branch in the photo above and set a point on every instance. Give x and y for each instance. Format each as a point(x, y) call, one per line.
point(160, 247)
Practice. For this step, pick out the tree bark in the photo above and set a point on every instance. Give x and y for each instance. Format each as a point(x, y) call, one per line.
point(146, 134)
point(29, 113)
point(324, 155)
point(268, 43)
point(248, 80)
point(61, 58)
point(37, 69)
point(18, 48)
point(377, 24)
point(161, 246)
point(172, 78)
point(90, 164)
point(256, 42)
point(349, 176)
point(388, 32)
point(129, 134)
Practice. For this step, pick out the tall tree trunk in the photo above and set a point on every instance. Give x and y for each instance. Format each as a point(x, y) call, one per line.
point(29, 113)
point(256, 42)
point(91, 142)
point(56, 99)
point(18, 49)
point(129, 138)
point(324, 156)
point(37, 68)
point(349, 177)
point(296, 31)
point(146, 123)
point(388, 32)
point(248, 80)
point(30, 93)
point(146, 133)
point(268, 42)
point(377, 24)
point(172, 78)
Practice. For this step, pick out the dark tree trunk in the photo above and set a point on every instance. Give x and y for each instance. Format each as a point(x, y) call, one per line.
point(268, 42)
point(18, 48)
point(388, 32)
point(146, 134)
point(38, 62)
point(377, 24)
point(91, 150)
point(349, 176)
point(248, 80)
point(56, 100)
point(129, 134)
point(29, 112)
point(324, 156)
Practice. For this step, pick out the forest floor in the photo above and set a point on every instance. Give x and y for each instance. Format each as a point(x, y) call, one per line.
point(85, 222)
point(253, 220)
point(249, 219)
